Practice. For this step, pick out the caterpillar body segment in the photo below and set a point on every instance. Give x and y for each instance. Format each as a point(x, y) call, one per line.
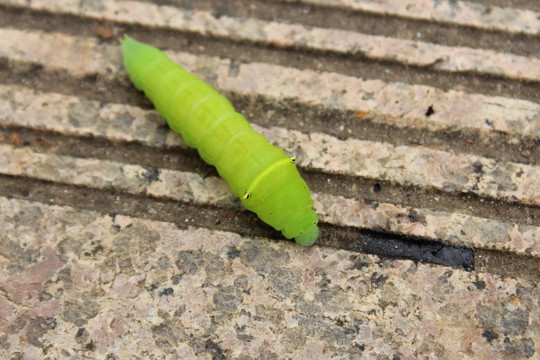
point(260, 174)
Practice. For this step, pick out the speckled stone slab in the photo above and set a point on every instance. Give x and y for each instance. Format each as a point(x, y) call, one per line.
point(116, 283)
point(396, 103)
point(411, 52)
point(78, 284)
point(453, 228)
point(474, 14)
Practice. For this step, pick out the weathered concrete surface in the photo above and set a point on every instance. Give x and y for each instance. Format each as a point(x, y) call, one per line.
point(76, 284)
point(88, 270)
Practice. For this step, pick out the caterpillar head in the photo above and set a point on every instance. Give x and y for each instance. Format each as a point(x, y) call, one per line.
point(307, 238)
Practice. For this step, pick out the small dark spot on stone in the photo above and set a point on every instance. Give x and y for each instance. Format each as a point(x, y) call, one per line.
point(372, 203)
point(25, 193)
point(478, 167)
point(36, 68)
point(45, 296)
point(528, 347)
point(163, 314)
point(234, 68)
point(215, 350)
point(377, 188)
point(377, 279)
point(225, 300)
point(490, 335)
point(415, 216)
point(188, 261)
point(233, 253)
point(152, 174)
point(80, 332)
point(91, 78)
point(176, 279)
point(153, 287)
point(396, 357)
point(362, 347)
point(480, 284)
point(166, 292)
point(359, 264)
point(90, 346)
point(97, 249)
point(430, 111)
point(324, 282)
point(443, 279)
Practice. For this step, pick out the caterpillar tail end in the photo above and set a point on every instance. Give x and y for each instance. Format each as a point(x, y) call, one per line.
point(126, 40)
point(128, 43)
point(309, 237)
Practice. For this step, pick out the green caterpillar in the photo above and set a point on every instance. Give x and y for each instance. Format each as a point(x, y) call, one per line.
point(260, 174)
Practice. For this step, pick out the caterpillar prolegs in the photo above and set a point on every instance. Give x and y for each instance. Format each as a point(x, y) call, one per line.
point(260, 174)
